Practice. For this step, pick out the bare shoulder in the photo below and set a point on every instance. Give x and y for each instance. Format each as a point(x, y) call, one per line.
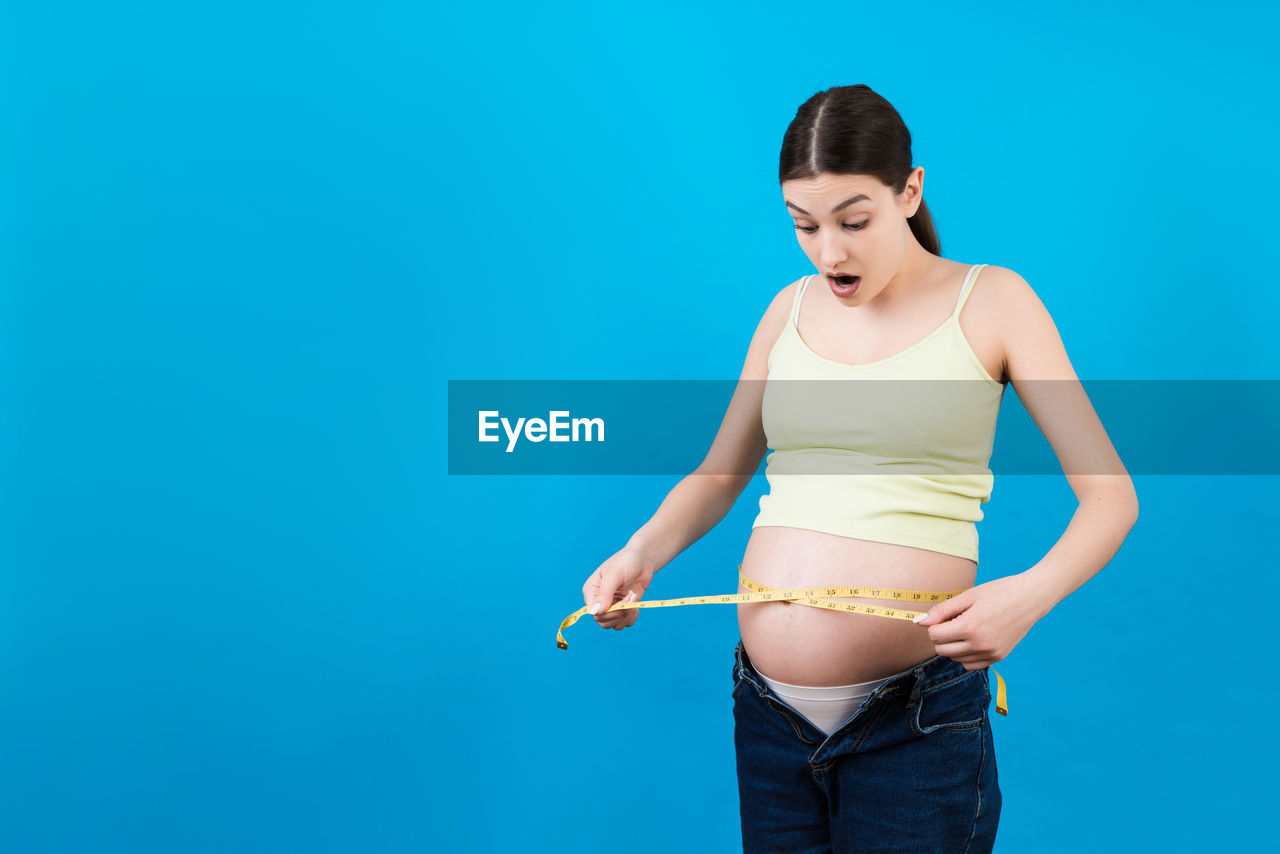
point(778, 313)
point(1007, 299)
point(1030, 341)
point(780, 306)
point(997, 285)
point(770, 328)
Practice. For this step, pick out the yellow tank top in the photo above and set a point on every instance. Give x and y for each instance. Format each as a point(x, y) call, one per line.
point(901, 462)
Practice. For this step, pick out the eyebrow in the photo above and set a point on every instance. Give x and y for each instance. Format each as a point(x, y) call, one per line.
point(858, 198)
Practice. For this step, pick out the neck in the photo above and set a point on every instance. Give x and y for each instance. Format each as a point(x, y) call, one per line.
point(913, 274)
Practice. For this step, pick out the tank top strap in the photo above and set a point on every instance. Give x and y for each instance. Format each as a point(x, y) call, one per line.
point(795, 305)
point(967, 288)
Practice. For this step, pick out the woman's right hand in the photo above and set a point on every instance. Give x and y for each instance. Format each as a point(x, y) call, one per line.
point(622, 576)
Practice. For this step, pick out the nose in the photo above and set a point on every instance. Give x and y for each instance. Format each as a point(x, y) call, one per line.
point(831, 255)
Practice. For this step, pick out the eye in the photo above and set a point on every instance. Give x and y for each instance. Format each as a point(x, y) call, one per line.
point(857, 226)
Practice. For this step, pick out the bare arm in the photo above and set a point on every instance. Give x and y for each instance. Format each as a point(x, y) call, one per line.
point(698, 502)
point(1041, 373)
point(693, 507)
point(984, 623)
point(701, 499)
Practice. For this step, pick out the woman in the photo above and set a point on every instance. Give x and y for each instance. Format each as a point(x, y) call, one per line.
point(858, 733)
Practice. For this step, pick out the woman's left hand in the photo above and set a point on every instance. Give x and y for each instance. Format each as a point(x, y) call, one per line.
point(983, 624)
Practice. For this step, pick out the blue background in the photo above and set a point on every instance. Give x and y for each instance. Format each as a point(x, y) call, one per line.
point(245, 245)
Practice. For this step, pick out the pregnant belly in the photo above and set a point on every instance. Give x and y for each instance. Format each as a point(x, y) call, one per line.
point(813, 646)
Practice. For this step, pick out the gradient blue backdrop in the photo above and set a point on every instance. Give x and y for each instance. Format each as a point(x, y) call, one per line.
point(244, 608)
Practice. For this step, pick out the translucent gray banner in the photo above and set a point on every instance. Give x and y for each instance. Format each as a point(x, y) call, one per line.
point(859, 426)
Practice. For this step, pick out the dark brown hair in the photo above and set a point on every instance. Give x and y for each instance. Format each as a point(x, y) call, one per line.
point(851, 130)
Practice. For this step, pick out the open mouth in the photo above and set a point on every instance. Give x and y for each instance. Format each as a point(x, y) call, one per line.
point(844, 281)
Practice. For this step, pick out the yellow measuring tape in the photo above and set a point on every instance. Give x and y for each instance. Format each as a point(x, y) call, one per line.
point(816, 597)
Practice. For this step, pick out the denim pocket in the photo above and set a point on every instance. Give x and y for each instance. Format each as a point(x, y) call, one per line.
point(959, 703)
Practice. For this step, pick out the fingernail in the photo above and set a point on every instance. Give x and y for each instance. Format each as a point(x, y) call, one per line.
point(594, 608)
point(919, 618)
point(631, 597)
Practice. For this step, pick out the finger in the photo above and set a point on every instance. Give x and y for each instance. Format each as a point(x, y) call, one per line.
point(604, 594)
point(614, 619)
point(625, 618)
point(630, 615)
point(955, 649)
point(609, 621)
point(591, 588)
point(607, 618)
point(948, 632)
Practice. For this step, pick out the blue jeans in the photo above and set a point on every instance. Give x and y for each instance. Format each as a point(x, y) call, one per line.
point(913, 769)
